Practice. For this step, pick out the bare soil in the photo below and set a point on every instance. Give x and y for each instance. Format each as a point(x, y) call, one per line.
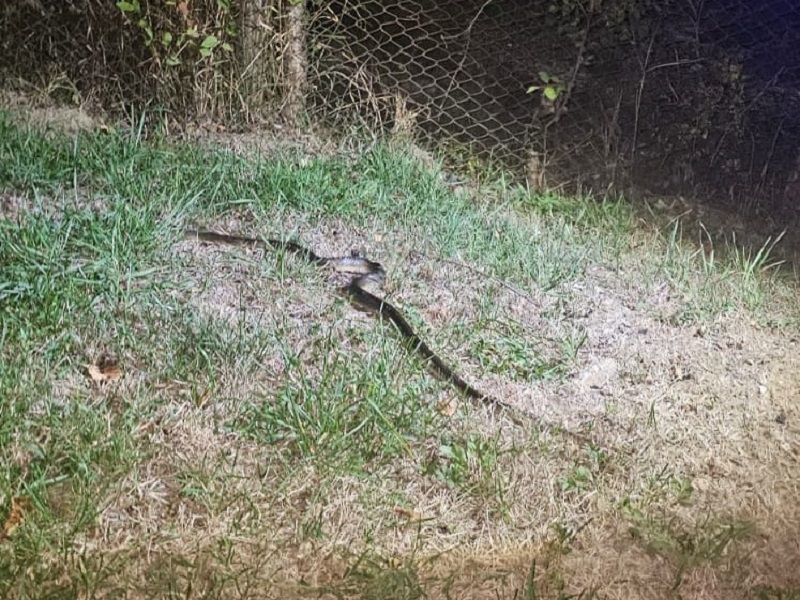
point(716, 405)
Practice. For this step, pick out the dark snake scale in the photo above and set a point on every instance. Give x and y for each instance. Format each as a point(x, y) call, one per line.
point(365, 271)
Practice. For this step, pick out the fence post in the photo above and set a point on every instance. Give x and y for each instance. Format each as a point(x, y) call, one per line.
point(295, 63)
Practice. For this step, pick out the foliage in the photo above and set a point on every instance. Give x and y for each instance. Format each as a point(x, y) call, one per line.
point(551, 86)
point(174, 35)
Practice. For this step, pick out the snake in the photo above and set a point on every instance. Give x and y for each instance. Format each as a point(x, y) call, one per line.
point(364, 272)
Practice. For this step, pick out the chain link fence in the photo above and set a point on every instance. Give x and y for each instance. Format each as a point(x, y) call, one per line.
point(686, 96)
point(679, 96)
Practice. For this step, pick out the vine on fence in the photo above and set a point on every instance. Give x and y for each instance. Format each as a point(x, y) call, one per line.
point(171, 42)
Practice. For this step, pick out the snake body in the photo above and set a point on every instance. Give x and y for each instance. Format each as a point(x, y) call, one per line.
point(365, 271)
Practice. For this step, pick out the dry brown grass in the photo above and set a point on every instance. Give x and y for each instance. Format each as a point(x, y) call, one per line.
point(715, 409)
point(689, 490)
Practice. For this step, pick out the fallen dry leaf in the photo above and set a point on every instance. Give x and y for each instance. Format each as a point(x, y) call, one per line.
point(108, 374)
point(183, 11)
point(407, 513)
point(19, 506)
point(447, 408)
point(104, 369)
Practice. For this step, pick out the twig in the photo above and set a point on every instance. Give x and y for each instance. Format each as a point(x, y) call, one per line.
point(771, 152)
point(639, 92)
point(468, 33)
point(579, 60)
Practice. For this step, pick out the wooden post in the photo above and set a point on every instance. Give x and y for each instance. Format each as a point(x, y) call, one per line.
point(295, 63)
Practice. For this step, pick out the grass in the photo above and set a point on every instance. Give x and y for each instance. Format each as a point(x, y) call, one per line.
point(266, 440)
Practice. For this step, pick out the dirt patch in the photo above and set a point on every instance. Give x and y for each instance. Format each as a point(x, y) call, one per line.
point(699, 425)
point(47, 114)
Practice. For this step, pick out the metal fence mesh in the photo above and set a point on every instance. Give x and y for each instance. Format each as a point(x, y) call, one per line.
point(669, 96)
point(681, 96)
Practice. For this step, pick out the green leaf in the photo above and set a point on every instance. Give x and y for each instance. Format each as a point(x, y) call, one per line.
point(550, 93)
point(210, 42)
point(166, 38)
point(173, 61)
point(227, 47)
point(533, 88)
point(148, 31)
point(205, 52)
point(129, 7)
point(544, 76)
